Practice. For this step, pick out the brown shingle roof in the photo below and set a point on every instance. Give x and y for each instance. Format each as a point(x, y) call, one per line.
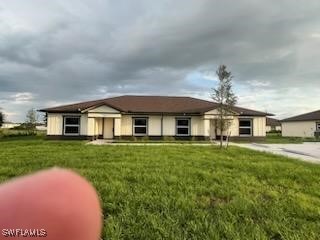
point(304, 117)
point(273, 122)
point(152, 104)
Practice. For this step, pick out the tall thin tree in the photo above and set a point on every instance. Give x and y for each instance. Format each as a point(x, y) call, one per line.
point(225, 98)
point(1, 118)
point(31, 119)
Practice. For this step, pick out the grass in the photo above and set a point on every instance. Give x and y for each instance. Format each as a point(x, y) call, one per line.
point(183, 192)
point(277, 138)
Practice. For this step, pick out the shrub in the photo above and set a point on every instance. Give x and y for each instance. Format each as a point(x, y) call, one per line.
point(168, 138)
point(275, 131)
point(134, 139)
point(19, 133)
point(144, 139)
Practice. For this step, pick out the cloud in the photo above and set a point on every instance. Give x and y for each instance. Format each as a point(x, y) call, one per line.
point(257, 83)
point(22, 97)
point(65, 51)
point(210, 76)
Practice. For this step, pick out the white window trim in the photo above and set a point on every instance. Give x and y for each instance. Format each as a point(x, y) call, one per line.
point(318, 126)
point(71, 125)
point(178, 126)
point(246, 127)
point(134, 126)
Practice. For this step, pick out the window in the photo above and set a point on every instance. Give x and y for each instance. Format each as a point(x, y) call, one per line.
point(140, 126)
point(245, 127)
point(318, 127)
point(183, 127)
point(71, 126)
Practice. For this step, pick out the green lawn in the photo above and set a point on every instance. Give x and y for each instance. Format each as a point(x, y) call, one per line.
point(277, 138)
point(184, 192)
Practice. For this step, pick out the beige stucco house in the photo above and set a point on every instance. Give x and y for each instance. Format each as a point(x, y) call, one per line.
point(305, 125)
point(10, 125)
point(273, 125)
point(154, 117)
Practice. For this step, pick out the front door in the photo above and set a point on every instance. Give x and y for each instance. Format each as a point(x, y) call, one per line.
point(108, 128)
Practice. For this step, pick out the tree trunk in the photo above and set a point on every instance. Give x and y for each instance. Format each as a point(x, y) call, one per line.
point(221, 130)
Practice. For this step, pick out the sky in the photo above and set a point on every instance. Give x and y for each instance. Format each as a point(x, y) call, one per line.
point(57, 52)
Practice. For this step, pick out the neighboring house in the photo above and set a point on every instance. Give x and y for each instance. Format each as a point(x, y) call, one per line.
point(9, 125)
point(150, 116)
point(305, 125)
point(41, 127)
point(273, 124)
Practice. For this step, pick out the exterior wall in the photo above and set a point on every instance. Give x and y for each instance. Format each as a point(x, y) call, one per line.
point(126, 125)
point(234, 128)
point(168, 123)
point(54, 124)
point(201, 126)
point(259, 126)
point(197, 126)
point(299, 129)
point(84, 124)
point(154, 126)
point(208, 130)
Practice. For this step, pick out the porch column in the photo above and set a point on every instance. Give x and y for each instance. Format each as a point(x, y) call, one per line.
point(117, 127)
point(91, 126)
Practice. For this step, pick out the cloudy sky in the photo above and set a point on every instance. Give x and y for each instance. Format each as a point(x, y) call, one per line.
point(55, 52)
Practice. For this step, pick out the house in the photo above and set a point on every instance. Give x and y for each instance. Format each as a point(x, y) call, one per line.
point(305, 125)
point(10, 125)
point(154, 117)
point(273, 125)
point(41, 127)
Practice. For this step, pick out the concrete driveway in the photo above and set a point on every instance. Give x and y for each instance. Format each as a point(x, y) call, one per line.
point(309, 151)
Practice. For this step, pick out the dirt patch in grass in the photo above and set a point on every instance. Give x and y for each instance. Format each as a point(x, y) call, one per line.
point(212, 201)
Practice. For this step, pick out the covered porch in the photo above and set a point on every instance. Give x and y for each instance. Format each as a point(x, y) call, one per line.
point(211, 128)
point(104, 125)
point(103, 122)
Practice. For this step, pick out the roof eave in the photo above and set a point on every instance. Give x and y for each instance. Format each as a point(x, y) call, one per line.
point(57, 111)
point(102, 104)
point(258, 115)
point(299, 120)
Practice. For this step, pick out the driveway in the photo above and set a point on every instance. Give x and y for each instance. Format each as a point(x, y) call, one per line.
point(308, 151)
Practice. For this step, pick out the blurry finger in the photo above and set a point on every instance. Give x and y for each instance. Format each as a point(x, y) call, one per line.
point(57, 203)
